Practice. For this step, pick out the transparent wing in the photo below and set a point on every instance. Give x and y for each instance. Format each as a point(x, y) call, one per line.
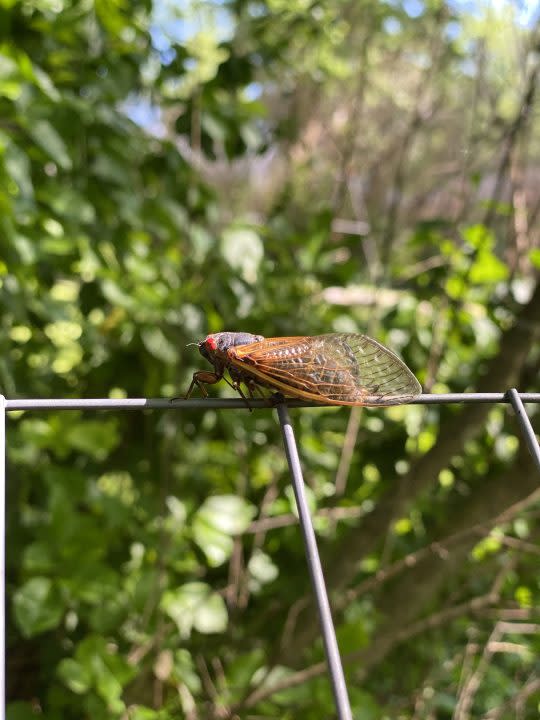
point(338, 368)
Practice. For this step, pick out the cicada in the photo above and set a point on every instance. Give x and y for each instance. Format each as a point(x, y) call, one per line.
point(333, 369)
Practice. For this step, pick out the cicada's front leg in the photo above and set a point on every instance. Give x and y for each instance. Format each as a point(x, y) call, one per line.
point(201, 379)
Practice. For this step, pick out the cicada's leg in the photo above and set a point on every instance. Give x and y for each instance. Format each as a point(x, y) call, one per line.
point(235, 384)
point(254, 389)
point(201, 379)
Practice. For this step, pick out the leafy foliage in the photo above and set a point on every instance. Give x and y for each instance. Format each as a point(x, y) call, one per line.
point(279, 168)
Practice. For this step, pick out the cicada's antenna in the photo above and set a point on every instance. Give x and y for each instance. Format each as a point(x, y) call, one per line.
point(189, 344)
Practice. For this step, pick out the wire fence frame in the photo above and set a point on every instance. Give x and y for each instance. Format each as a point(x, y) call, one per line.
point(333, 658)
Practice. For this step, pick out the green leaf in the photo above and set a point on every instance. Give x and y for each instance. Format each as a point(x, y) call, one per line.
point(261, 567)
point(524, 596)
point(402, 526)
point(37, 557)
point(211, 616)
point(94, 437)
point(158, 345)
point(216, 545)
point(242, 248)
point(217, 521)
point(229, 513)
point(11, 85)
point(534, 257)
point(97, 665)
point(20, 711)
point(116, 295)
point(50, 141)
point(195, 606)
point(18, 167)
point(77, 677)
point(45, 84)
point(487, 268)
point(455, 287)
point(37, 606)
point(138, 712)
point(68, 203)
point(479, 237)
point(185, 668)
point(177, 509)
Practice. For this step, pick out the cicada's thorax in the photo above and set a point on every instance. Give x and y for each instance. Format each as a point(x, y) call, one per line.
point(214, 349)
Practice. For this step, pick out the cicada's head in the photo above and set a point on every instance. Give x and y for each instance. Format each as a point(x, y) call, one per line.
point(208, 347)
point(214, 347)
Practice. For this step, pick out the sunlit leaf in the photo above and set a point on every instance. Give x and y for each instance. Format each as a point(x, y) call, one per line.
point(242, 248)
point(158, 345)
point(194, 606)
point(37, 606)
point(216, 522)
point(261, 567)
point(47, 137)
point(77, 677)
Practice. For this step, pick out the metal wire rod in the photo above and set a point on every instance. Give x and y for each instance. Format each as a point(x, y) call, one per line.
point(333, 658)
point(526, 427)
point(235, 403)
point(2, 557)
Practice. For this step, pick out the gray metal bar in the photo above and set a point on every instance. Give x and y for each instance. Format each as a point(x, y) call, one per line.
point(442, 398)
point(333, 658)
point(231, 403)
point(2, 557)
point(526, 427)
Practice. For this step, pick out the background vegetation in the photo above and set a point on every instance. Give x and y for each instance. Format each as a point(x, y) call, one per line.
point(173, 169)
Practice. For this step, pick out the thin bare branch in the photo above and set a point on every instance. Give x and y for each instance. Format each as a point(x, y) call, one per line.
point(531, 687)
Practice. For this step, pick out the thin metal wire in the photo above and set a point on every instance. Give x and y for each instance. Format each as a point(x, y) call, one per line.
point(333, 657)
point(2, 557)
point(526, 427)
point(235, 403)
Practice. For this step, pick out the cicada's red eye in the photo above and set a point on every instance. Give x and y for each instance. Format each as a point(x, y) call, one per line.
point(211, 343)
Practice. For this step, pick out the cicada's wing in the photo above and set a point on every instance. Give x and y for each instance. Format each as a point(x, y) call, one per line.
point(339, 369)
